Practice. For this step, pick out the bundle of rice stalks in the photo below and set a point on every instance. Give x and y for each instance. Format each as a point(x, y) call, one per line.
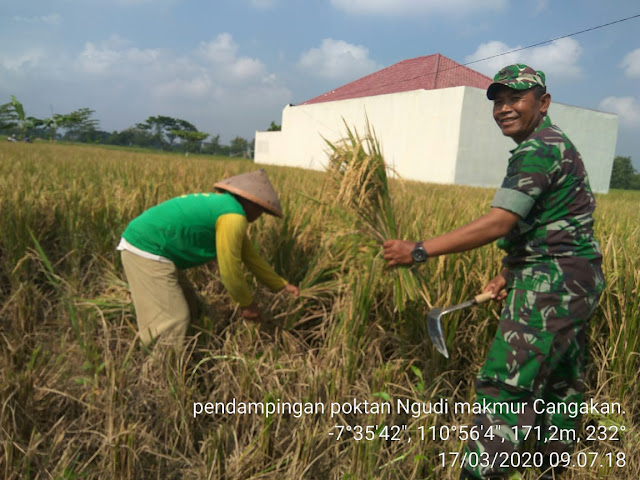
point(357, 167)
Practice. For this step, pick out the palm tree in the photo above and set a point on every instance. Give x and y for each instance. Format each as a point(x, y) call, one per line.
point(24, 123)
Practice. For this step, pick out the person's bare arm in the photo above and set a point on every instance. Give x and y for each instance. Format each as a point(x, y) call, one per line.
point(486, 229)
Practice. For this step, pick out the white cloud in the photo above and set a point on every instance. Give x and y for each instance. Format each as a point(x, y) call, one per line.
point(53, 19)
point(627, 108)
point(23, 60)
point(197, 87)
point(257, 95)
point(412, 7)
point(117, 42)
point(220, 50)
point(558, 59)
point(337, 59)
point(95, 60)
point(215, 59)
point(246, 68)
point(110, 60)
point(212, 85)
point(631, 64)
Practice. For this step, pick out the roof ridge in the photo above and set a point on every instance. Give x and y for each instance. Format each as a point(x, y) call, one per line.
point(406, 75)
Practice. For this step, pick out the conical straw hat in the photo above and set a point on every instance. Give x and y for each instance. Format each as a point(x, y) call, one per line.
point(255, 187)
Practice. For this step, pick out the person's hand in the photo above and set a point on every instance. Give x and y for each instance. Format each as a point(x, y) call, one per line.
point(398, 252)
point(496, 287)
point(291, 290)
point(251, 312)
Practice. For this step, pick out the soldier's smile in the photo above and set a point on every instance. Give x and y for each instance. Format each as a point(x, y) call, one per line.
point(517, 112)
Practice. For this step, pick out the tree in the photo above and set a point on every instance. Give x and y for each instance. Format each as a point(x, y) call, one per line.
point(160, 128)
point(130, 137)
point(274, 127)
point(12, 115)
point(19, 115)
point(163, 128)
point(94, 136)
point(190, 138)
point(58, 120)
point(623, 173)
point(8, 117)
point(214, 147)
point(51, 124)
point(78, 124)
point(239, 147)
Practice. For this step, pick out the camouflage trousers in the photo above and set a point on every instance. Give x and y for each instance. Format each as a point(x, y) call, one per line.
point(537, 356)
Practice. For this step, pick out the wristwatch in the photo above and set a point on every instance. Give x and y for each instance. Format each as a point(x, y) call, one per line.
point(419, 254)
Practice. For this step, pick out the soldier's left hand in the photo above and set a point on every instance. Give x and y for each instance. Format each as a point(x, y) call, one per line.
point(496, 286)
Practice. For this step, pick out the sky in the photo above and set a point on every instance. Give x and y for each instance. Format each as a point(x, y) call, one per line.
point(230, 66)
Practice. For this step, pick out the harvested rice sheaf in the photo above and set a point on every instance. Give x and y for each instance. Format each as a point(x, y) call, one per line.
point(357, 166)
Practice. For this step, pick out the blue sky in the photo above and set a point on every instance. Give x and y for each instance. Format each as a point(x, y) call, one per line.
point(230, 66)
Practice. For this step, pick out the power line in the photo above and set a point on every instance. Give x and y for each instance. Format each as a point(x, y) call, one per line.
point(553, 40)
point(508, 52)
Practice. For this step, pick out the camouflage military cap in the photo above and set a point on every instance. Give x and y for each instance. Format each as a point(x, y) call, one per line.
point(518, 77)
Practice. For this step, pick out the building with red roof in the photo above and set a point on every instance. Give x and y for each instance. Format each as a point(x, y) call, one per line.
point(434, 123)
point(422, 73)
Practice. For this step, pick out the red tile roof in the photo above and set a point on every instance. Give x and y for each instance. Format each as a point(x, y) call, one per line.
point(421, 73)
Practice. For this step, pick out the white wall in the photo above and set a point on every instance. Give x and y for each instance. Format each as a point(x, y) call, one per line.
point(594, 134)
point(439, 136)
point(418, 132)
point(484, 151)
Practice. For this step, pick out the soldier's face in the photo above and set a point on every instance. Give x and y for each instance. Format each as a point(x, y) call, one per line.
point(519, 112)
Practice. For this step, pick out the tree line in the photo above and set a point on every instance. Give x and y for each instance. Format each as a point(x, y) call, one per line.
point(176, 135)
point(156, 132)
point(624, 175)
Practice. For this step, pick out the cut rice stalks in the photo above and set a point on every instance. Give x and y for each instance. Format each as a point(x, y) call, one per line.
point(357, 167)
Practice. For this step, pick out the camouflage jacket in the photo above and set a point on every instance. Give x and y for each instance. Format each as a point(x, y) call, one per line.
point(552, 248)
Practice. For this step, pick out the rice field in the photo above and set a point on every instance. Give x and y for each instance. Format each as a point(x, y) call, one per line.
point(303, 395)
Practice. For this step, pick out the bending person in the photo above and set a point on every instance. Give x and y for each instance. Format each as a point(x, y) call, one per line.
point(189, 231)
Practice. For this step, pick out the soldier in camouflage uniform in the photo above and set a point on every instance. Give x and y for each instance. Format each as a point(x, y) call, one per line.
point(552, 277)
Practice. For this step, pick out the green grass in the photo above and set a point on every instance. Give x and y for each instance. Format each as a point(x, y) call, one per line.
point(80, 399)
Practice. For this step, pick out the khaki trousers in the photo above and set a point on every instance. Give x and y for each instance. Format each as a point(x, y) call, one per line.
point(160, 292)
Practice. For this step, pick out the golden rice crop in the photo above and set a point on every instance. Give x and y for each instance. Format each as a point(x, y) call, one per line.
point(359, 174)
point(80, 399)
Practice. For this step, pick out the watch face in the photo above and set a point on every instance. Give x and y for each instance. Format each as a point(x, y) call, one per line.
point(419, 254)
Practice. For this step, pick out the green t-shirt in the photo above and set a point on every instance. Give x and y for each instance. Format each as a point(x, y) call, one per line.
point(552, 248)
point(182, 229)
